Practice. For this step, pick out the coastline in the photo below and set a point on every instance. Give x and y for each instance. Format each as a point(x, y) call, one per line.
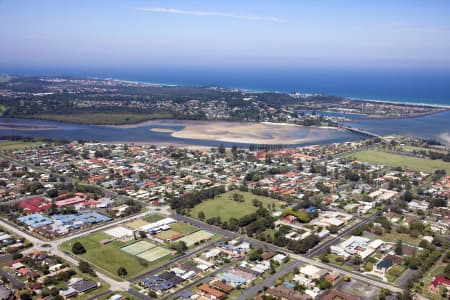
point(258, 91)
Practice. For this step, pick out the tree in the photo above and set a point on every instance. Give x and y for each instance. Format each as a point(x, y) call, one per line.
point(180, 246)
point(357, 260)
point(333, 229)
point(324, 284)
point(201, 215)
point(78, 248)
point(221, 149)
point(122, 272)
point(358, 230)
point(447, 271)
point(86, 268)
point(399, 247)
point(255, 254)
point(408, 196)
point(234, 150)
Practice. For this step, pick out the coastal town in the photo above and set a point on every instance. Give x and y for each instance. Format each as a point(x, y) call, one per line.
point(224, 150)
point(90, 220)
point(106, 101)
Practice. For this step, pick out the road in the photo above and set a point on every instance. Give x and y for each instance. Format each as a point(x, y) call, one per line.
point(115, 285)
point(205, 226)
point(323, 246)
point(304, 258)
point(198, 281)
point(249, 293)
point(175, 260)
point(125, 285)
point(139, 295)
point(15, 283)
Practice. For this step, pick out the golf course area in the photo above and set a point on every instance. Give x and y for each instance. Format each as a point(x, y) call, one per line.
point(225, 207)
point(396, 160)
point(135, 257)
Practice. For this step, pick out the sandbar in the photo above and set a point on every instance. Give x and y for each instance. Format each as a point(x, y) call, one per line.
point(167, 130)
point(253, 133)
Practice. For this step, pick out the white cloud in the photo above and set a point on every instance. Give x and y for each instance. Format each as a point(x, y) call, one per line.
point(200, 13)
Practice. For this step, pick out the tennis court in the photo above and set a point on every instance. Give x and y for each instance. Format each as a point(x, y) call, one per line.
point(169, 235)
point(154, 254)
point(196, 237)
point(138, 247)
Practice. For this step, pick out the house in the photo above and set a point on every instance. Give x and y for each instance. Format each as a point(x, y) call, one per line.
point(222, 286)
point(83, 286)
point(267, 255)
point(338, 295)
point(211, 291)
point(283, 292)
point(418, 205)
point(312, 272)
point(70, 292)
point(438, 282)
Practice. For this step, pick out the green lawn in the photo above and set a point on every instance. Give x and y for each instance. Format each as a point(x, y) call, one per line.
point(104, 118)
point(395, 272)
point(396, 160)
point(393, 237)
point(224, 206)
point(184, 228)
point(153, 218)
point(408, 148)
point(17, 145)
point(109, 257)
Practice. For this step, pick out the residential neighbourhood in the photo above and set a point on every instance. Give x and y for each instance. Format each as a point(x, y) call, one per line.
point(118, 221)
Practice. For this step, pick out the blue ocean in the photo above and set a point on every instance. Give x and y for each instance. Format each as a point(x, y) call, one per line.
point(414, 86)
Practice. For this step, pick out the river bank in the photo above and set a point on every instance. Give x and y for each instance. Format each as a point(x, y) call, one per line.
point(186, 132)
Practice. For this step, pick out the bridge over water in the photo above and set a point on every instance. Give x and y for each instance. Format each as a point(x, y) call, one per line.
point(361, 131)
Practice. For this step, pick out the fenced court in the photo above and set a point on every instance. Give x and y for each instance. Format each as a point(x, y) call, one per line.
point(196, 237)
point(154, 254)
point(138, 247)
point(169, 235)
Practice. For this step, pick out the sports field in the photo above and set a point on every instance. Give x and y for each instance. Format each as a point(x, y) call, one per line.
point(110, 257)
point(196, 237)
point(396, 160)
point(154, 254)
point(225, 207)
point(138, 247)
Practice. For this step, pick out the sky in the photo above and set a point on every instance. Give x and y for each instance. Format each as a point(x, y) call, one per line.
point(97, 34)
